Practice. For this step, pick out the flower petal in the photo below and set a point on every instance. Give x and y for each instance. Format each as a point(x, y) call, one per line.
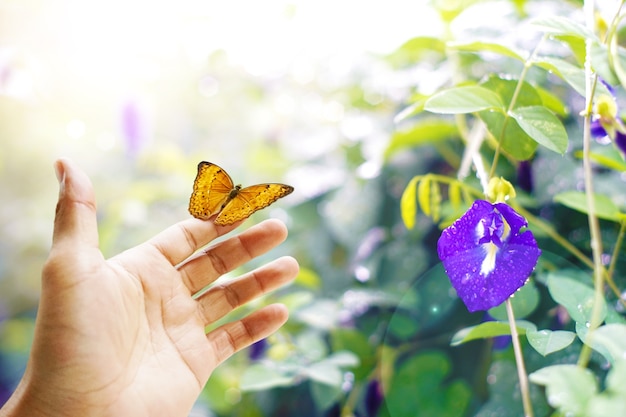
point(597, 130)
point(620, 142)
point(512, 268)
point(461, 235)
point(486, 274)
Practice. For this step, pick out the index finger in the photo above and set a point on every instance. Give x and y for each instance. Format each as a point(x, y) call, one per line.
point(179, 241)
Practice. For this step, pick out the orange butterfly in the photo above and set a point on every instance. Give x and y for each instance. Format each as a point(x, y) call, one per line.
point(215, 193)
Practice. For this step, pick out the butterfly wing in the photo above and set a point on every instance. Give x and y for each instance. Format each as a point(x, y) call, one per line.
point(211, 190)
point(250, 199)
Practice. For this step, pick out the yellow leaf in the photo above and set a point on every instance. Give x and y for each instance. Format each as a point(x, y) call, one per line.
point(435, 200)
point(454, 194)
point(408, 205)
point(423, 195)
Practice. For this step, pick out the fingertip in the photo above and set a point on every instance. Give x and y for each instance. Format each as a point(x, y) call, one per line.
point(279, 313)
point(275, 227)
point(59, 170)
point(290, 266)
point(76, 208)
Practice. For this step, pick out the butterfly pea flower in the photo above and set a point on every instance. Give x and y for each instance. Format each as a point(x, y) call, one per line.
point(487, 254)
point(606, 122)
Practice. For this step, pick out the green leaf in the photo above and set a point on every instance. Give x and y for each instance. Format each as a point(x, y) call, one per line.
point(357, 344)
point(410, 110)
point(403, 326)
point(415, 49)
point(466, 99)
point(552, 102)
point(343, 359)
point(577, 298)
point(524, 302)
point(425, 132)
point(513, 139)
point(420, 383)
point(577, 200)
point(606, 405)
point(478, 46)
point(311, 342)
point(324, 372)
point(489, 329)
point(558, 25)
point(610, 340)
point(607, 156)
point(569, 388)
point(612, 402)
point(617, 60)
point(571, 74)
point(259, 376)
point(308, 278)
point(450, 10)
point(408, 203)
point(548, 341)
point(543, 126)
point(601, 62)
point(576, 44)
point(503, 399)
point(616, 379)
point(507, 88)
point(324, 395)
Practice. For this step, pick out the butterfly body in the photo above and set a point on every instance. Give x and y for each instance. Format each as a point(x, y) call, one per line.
point(215, 193)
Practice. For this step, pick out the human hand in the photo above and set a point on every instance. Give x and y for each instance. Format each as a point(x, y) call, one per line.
point(123, 336)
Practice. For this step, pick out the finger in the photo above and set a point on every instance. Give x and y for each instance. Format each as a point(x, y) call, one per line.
point(75, 219)
point(207, 266)
point(232, 337)
point(222, 299)
point(178, 242)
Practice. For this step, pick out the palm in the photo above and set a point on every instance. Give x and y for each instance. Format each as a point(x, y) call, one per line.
point(159, 338)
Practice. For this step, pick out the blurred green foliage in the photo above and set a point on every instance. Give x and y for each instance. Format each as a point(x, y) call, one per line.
point(373, 314)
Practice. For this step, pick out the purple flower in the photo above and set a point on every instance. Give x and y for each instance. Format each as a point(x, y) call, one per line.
point(603, 134)
point(525, 176)
point(373, 398)
point(606, 124)
point(257, 350)
point(486, 255)
point(133, 129)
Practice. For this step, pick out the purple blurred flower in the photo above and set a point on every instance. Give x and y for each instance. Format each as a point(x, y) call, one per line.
point(525, 176)
point(257, 350)
point(133, 127)
point(486, 255)
point(373, 398)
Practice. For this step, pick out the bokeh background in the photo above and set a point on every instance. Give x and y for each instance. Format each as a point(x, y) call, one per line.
point(297, 91)
point(138, 92)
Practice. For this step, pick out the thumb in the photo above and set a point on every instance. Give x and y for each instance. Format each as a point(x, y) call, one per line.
point(75, 220)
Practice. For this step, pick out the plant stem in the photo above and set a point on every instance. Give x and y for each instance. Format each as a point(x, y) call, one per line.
point(519, 360)
point(594, 226)
point(518, 88)
point(616, 250)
